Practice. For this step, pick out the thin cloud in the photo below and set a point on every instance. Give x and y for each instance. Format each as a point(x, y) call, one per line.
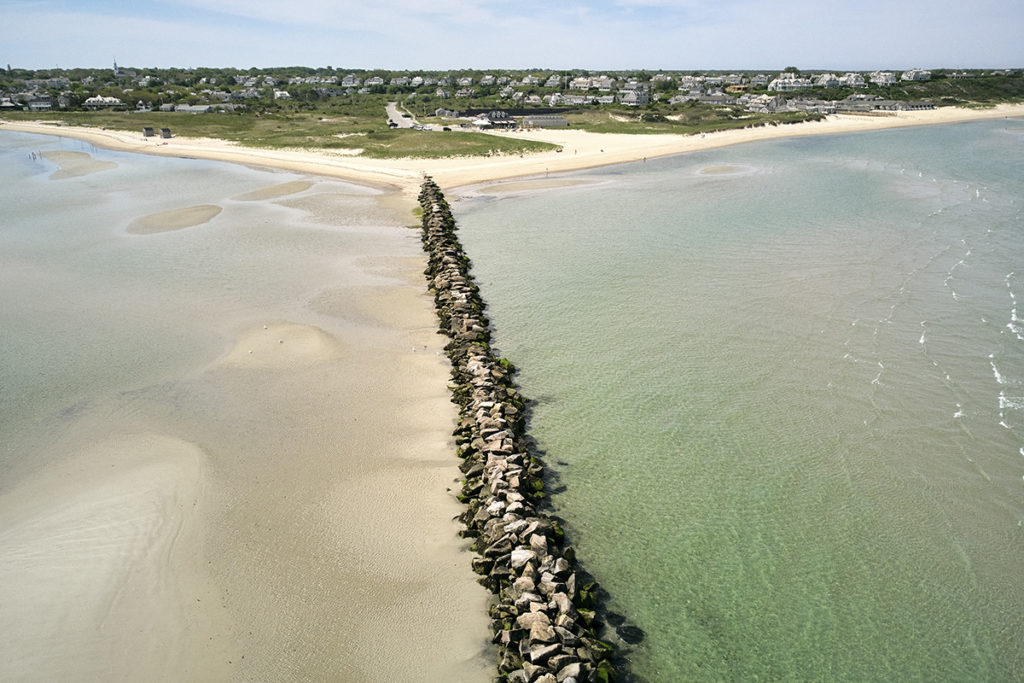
point(443, 34)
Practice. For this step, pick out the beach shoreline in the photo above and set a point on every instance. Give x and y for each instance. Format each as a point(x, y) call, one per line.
point(401, 178)
point(580, 150)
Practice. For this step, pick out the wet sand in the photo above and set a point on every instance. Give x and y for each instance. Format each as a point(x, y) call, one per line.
point(75, 164)
point(105, 553)
point(276, 191)
point(285, 511)
point(529, 185)
point(176, 219)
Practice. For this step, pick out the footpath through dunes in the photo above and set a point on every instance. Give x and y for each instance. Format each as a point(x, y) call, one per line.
point(547, 617)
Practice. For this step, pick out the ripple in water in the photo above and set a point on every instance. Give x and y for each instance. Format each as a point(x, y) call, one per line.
point(789, 452)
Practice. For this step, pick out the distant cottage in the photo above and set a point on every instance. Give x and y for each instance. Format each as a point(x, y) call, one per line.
point(100, 102)
point(545, 121)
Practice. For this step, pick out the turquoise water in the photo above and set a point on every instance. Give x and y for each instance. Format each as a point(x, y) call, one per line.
point(783, 385)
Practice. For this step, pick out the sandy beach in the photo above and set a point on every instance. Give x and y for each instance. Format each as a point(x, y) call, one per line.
point(579, 149)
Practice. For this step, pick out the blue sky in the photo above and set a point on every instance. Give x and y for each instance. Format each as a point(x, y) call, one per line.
point(481, 34)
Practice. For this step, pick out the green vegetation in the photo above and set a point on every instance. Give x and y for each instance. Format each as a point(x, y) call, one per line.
point(344, 110)
point(980, 89)
point(681, 119)
point(346, 134)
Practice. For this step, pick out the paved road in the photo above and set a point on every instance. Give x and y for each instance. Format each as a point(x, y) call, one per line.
point(396, 116)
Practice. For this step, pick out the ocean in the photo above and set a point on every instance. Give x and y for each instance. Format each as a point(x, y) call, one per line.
point(779, 389)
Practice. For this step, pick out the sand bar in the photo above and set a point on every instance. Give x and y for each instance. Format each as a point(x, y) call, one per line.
point(530, 185)
point(175, 219)
point(276, 191)
point(580, 149)
point(75, 164)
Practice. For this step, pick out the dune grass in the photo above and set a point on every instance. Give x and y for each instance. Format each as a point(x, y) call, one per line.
point(371, 137)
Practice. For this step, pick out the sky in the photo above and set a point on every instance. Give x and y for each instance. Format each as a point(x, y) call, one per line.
point(515, 34)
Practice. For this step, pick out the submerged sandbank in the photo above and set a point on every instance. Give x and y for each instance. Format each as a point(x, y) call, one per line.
point(530, 185)
point(104, 554)
point(75, 164)
point(175, 219)
point(276, 191)
point(283, 345)
point(274, 507)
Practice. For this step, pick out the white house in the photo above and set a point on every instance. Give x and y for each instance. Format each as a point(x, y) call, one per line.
point(852, 80)
point(883, 78)
point(100, 102)
point(827, 81)
point(788, 81)
point(916, 75)
point(634, 97)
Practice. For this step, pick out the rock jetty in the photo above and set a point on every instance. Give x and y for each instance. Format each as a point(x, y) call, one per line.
point(543, 614)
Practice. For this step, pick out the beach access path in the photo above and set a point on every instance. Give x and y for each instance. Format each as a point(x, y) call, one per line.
point(396, 116)
point(578, 149)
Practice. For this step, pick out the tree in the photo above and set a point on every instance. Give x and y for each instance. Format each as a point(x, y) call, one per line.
point(666, 85)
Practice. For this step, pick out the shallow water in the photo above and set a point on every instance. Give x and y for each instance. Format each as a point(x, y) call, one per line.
point(199, 426)
point(782, 384)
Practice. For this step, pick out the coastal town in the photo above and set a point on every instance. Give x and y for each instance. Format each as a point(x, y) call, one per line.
point(542, 93)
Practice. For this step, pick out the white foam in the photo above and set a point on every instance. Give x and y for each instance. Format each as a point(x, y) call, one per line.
point(995, 371)
point(1011, 402)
